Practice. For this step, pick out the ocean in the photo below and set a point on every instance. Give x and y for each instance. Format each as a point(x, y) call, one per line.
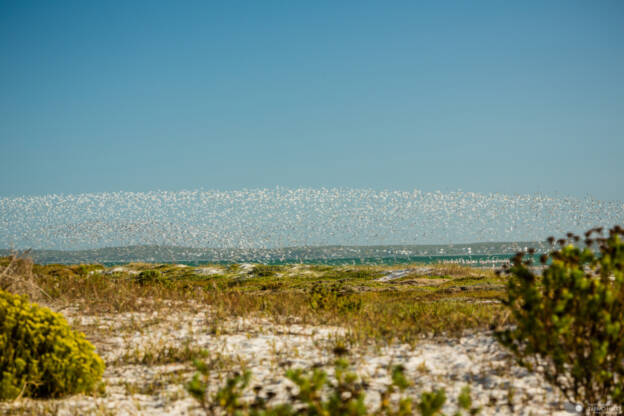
point(477, 254)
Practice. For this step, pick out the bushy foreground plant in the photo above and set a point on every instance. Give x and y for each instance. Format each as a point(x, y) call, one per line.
point(318, 395)
point(570, 320)
point(40, 356)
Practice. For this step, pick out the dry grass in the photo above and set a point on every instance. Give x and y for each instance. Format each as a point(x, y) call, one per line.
point(161, 354)
point(456, 299)
point(149, 333)
point(16, 276)
point(382, 317)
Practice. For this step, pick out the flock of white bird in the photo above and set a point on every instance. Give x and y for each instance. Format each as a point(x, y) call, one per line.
point(279, 217)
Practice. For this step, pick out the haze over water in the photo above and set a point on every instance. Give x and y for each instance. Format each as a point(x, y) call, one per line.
point(280, 217)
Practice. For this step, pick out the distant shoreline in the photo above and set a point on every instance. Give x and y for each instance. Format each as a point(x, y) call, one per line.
point(476, 254)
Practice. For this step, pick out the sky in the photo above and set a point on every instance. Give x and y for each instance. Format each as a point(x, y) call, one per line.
point(488, 96)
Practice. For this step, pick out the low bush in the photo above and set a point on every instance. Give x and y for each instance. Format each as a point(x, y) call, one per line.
point(40, 356)
point(266, 270)
point(86, 269)
point(570, 319)
point(151, 276)
point(333, 297)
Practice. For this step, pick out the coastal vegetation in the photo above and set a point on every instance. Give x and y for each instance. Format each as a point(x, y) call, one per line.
point(431, 300)
point(569, 321)
point(319, 394)
point(258, 339)
point(40, 356)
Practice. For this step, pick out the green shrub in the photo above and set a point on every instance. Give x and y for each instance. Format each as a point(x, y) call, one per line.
point(151, 276)
point(431, 402)
point(570, 320)
point(86, 269)
point(336, 273)
point(335, 296)
point(40, 356)
point(266, 270)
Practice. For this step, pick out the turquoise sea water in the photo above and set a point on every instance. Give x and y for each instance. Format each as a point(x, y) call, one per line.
point(478, 255)
point(473, 261)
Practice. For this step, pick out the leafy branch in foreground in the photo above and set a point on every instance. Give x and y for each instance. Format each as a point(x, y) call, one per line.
point(318, 395)
point(570, 320)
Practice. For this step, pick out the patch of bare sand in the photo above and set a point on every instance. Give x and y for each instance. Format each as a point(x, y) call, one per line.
point(268, 350)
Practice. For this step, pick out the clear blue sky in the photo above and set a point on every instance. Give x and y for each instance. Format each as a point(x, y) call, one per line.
point(513, 97)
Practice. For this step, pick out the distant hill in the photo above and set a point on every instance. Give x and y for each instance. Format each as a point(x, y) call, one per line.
point(321, 254)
